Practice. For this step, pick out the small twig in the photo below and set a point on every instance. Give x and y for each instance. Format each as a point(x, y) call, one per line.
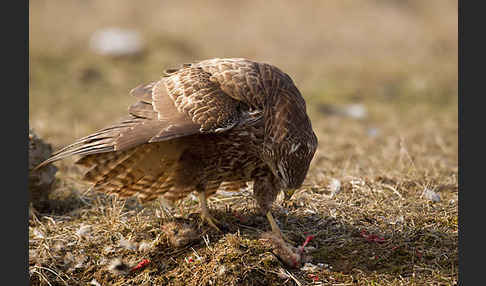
point(250, 228)
point(288, 274)
point(206, 241)
point(52, 271)
point(42, 276)
point(392, 189)
point(197, 255)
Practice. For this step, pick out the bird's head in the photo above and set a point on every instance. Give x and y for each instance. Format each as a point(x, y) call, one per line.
point(289, 141)
point(289, 161)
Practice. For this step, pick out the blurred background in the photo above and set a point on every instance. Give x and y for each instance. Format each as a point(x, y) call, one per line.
point(374, 61)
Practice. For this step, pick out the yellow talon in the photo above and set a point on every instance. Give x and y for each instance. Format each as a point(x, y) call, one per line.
point(275, 229)
point(205, 215)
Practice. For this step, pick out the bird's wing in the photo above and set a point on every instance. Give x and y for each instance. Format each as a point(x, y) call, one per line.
point(196, 98)
point(200, 98)
point(240, 79)
point(156, 105)
point(216, 94)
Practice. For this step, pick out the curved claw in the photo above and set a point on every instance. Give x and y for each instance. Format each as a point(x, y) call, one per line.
point(211, 221)
point(205, 215)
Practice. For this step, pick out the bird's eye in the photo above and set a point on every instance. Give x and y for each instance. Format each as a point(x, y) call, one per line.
point(279, 174)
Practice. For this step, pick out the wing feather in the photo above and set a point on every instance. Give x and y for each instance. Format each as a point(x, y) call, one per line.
point(144, 92)
point(201, 99)
point(211, 96)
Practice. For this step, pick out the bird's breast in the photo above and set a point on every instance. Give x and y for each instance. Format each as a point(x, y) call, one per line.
point(232, 155)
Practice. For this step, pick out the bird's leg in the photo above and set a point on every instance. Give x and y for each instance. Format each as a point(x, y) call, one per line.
point(205, 215)
point(275, 229)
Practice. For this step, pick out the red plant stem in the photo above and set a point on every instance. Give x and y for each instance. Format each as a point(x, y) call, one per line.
point(141, 264)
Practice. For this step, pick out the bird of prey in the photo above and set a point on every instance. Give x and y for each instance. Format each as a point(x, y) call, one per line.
point(217, 122)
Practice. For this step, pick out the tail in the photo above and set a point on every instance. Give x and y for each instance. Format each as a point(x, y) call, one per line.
point(144, 171)
point(120, 160)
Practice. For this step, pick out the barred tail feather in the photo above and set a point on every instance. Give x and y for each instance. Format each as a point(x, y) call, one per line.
point(140, 171)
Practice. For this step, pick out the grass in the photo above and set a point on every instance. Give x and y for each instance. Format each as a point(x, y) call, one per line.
point(397, 60)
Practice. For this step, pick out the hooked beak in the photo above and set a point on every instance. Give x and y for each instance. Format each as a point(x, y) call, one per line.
point(288, 193)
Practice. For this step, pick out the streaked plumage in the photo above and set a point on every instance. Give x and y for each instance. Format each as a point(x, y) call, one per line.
point(218, 121)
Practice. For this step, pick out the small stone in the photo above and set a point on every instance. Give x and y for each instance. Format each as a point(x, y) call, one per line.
point(127, 244)
point(116, 42)
point(38, 234)
point(373, 132)
point(309, 267)
point(334, 187)
point(145, 246)
point(221, 270)
point(84, 230)
point(356, 111)
point(431, 195)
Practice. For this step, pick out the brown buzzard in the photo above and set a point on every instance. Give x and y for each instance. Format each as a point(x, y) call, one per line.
point(216, 122)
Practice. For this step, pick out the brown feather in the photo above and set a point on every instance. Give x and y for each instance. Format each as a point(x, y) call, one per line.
point(143, 110)
point(202, 100)
point(143, 92)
